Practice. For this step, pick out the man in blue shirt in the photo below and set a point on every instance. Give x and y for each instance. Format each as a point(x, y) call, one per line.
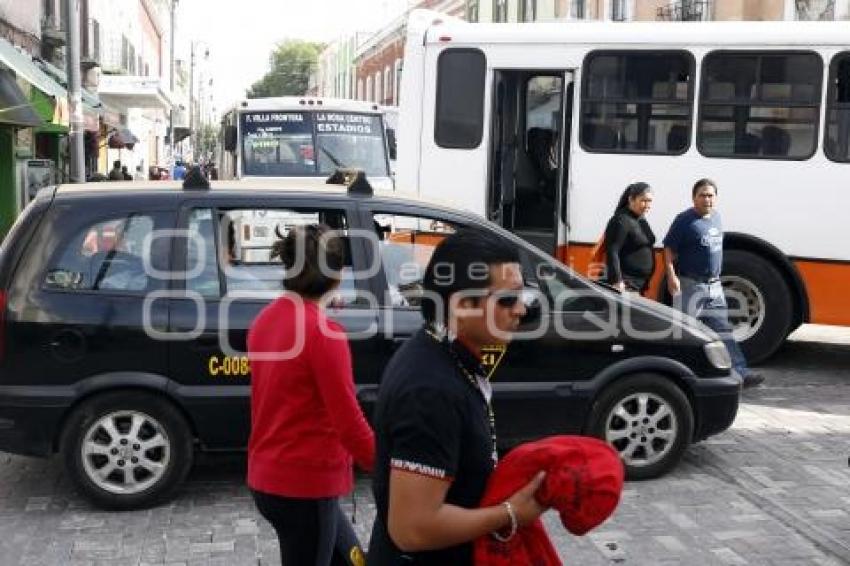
point(179, 171)
point(693, 255)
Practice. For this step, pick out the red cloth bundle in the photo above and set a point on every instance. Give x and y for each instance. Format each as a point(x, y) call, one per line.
point(584, 479)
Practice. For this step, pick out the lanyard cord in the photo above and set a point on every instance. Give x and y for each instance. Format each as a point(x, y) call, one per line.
point(473, 381)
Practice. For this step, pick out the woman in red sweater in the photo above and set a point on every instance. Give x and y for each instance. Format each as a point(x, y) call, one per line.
point(306, 424)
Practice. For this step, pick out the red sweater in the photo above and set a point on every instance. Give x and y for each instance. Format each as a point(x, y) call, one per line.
point(306, 423)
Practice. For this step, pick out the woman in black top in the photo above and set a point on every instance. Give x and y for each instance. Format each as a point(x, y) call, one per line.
point(630, 259)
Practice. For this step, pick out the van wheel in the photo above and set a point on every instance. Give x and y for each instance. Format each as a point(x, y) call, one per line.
point(127, 450)
point(647, 419)
point(759, 300)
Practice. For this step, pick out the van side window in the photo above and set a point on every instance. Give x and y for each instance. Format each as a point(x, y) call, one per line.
point(760, 105)
point(244, 242)
point(836, 143)
point(405, 246)
point(635, 102)
point(108, 256)
point(459, 122)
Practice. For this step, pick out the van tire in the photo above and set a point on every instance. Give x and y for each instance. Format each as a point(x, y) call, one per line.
point(634, 440)
point(134, 434)
point(770, 307)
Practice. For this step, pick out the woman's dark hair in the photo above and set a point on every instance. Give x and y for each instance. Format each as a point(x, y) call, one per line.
point(632, 191)
point(706, 182)
point(453, 267)
point(313, 256)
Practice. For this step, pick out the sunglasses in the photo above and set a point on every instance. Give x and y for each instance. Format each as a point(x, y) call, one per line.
point(509, 299)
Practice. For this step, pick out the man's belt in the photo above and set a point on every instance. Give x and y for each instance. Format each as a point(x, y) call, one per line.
point(701, 278)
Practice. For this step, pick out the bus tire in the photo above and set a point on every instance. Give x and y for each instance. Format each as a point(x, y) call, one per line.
point(761, 325)
point(659, 428)
point(127, 432)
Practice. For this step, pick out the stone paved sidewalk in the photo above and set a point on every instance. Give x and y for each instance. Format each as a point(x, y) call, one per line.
point(774, 490)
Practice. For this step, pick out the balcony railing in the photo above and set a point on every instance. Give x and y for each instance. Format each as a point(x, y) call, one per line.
point(815, 10)
point(684, 11)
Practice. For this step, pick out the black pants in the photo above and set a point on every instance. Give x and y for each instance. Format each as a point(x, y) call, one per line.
point(310, 531)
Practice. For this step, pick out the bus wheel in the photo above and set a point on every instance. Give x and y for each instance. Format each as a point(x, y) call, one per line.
point(759, 301)
point(647, 419)
point(127, 450)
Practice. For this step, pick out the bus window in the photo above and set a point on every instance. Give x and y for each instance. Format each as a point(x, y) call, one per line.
point(837, 138)
point(460, 119)
point(759, 105)
point(637, 102)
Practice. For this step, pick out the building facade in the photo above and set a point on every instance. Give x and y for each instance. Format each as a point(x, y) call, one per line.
point(133, 47)
point(646, 10)
point(378, 59)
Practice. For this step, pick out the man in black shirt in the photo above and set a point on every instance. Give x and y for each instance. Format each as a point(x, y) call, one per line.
point(434, 427)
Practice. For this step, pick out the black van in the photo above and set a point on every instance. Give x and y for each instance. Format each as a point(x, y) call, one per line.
point(124, 309)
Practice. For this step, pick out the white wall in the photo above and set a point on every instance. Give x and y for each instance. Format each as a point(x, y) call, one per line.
point(22, 14)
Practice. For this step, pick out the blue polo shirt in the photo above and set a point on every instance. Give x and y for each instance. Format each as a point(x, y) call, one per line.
point(698, 244)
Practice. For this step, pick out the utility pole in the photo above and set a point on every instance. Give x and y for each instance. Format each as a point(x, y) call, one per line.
point(192, 97)
point(171, 78)
point(75, 100)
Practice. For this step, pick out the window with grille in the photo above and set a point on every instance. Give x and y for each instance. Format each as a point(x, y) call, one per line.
point(500, 10)
point(760, 105)
point(527, 10)
point(472, 11)
point(637, 102)
point(577, 9)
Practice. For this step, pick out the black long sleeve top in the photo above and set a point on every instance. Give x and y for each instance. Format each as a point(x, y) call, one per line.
point(628, 247)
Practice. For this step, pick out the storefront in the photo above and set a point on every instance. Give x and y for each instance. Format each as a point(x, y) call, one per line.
point(16, 115)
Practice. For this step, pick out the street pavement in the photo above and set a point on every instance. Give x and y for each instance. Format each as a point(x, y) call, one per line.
point(773, 490)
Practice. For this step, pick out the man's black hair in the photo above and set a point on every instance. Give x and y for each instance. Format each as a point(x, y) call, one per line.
point(706, 182)
point(453, 267)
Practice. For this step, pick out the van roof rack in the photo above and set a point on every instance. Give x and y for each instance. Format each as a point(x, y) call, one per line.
point(354, 179)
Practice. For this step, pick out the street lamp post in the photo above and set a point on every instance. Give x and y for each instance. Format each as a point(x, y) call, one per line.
point(192, 133)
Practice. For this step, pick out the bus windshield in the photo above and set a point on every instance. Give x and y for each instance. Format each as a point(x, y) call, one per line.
point(314, 143)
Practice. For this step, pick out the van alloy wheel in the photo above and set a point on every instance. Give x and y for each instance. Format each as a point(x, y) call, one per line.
point(647, 418)
point(127, 449)
point(125, 452)
point(642, 428)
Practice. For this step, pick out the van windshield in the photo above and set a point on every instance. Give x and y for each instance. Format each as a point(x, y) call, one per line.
point(311, 143)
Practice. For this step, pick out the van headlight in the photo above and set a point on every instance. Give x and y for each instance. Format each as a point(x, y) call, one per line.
point(718, 355)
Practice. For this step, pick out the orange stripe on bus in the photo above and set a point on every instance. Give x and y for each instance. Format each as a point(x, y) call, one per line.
point(827, 283)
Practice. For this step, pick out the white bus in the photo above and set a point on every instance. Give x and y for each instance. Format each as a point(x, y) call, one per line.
point(541, 126)
point(289, 136)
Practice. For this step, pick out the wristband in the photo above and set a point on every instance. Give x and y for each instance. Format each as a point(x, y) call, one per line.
point(514, 524)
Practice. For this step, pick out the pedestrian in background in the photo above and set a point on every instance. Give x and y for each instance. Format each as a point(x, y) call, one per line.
point(125, 174)
point(693, 258)
point(306, 424)
point(115, 174)
point(179, 171)
point(630, 258)
point(434, 425)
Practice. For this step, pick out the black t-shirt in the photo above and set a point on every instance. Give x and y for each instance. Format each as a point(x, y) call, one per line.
point(628, 245)
point(429, 419)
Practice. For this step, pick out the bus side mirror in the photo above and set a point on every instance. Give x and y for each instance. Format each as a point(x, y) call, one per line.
point(230, 138)
point(391, 143)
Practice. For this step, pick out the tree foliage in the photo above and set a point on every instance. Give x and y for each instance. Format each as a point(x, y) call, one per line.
point(291, 63)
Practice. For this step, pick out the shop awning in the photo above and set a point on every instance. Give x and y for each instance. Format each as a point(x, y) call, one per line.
point(15, 109)
point(122, 138)
point(23, 65)
point(180, 134)
point(127, 91)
